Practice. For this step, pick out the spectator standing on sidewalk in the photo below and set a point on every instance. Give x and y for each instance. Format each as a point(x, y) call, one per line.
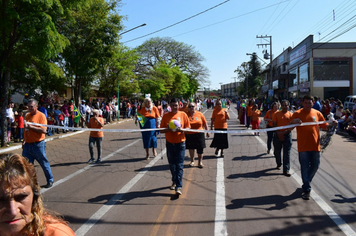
point(96, 137)
point(283, 137)
point(308, 142)
point(34, 145)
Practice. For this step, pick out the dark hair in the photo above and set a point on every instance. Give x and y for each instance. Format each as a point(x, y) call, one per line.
point(174, 100)
point(308, 97)
point(286, 102)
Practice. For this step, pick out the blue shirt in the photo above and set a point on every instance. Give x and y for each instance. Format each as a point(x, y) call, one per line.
point(43, 110)
point(317, 106)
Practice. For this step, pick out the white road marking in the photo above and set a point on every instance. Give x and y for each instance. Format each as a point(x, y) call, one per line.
point(220, 205)
point(344, 227)
point(56, 183)
point(107, 206)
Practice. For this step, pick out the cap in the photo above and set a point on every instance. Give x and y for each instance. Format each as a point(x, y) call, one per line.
point(83, 100)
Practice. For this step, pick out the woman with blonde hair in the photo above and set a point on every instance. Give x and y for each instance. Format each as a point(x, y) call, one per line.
point(21, 205)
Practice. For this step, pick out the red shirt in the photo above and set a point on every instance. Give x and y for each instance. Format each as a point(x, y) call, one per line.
point(20, 122)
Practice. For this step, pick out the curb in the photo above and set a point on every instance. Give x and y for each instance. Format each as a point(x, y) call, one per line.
point(50, 138)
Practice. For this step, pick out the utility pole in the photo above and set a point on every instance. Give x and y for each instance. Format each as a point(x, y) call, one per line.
point(266, 55)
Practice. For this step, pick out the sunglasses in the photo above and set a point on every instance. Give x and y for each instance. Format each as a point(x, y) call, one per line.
point(191, 106)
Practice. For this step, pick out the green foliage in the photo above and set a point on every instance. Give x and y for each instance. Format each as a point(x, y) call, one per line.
point(29, 40)
point(173, 54)
point(93, 34)
point(249, 73)
point(119, 70)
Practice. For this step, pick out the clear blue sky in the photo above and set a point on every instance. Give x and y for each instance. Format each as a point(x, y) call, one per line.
point(226, 33)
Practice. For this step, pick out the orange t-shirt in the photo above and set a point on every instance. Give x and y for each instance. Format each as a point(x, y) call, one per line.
point(184, 109)
point(30, 135)
point(256, 114)
point(93, 124)
point(308, 137)
point(175, 137)
point(58, 229)
point(282, 119)
point(153, 113)
point(269, 115)
point(197, 120)
point(220, 119)
point(249, 110)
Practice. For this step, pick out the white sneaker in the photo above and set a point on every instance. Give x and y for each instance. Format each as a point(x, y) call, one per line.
point(179, 191)
point(173, 186)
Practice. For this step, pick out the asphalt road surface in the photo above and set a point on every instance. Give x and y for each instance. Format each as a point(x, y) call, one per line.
point(240, 194)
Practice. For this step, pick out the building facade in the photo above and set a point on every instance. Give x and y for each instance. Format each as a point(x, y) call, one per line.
point(320, 69)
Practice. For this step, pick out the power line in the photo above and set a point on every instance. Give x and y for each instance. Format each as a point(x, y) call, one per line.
point(238, 16)
point(179, 21)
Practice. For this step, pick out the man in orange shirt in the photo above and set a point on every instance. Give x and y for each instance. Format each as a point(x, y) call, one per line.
point(34, 145)
point(308, 140)
point(175, 144)
point(283, 137)
point(95, 122)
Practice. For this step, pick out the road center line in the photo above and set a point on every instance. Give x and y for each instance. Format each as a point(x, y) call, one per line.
point(220, 205)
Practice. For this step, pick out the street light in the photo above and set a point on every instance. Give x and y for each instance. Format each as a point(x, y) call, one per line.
point(144, 24)
point(118, 83)
point(251, 54)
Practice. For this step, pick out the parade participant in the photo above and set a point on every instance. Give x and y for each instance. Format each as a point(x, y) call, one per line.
point(308, 141)
point(175, 143)
point(242, 112)
point(184, 107)
point(268, 117)
point(34, 145)
point(148, 115)
point(196, 140)
point(283, 137)
point(249, 113)
point(219, 122)
point(255, 120)
point(21, 206)
point(96, 137)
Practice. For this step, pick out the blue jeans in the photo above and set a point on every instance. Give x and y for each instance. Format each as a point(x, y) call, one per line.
point(286, 145)
point(37, 151)
point(175, 155)
point(309, 164)
point(20, 134)
point(92, 141)
point(269, 138)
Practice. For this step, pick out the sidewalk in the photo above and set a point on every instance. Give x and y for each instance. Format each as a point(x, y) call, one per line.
point(15, 146)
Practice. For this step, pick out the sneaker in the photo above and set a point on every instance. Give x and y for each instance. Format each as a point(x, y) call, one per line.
point(173, 186)
point(286, 173)
point(306, 195)
point(268, 151)
point(48, 185)
point(98, 161)
point(179, 191)
point(278, 167)
point(91, 160)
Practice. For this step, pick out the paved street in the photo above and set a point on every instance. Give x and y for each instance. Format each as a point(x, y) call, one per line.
point(240, 194)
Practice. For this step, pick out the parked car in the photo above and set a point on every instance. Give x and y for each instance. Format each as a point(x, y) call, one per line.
point(350, 102)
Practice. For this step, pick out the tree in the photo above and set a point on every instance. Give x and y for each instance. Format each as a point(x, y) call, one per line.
point(164, 80)
point(29, 39)
point(93, 34)
point(175, 54)
point(119, 70)
point(250, 72)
